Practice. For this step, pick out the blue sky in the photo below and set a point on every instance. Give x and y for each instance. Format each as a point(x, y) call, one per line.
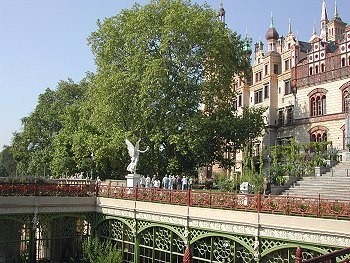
point(44, 41)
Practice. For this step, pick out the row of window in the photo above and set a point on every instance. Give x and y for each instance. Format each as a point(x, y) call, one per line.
point(312, 70)
point(258, 75)
point(322, 68)
point(264, 93)
point(317, 102)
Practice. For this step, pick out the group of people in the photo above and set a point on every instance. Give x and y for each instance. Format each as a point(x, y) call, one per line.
point(171, 182)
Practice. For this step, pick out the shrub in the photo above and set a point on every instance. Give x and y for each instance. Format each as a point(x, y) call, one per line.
point(96, 251)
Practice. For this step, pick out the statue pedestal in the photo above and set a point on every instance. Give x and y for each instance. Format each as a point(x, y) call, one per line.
point(132, 180)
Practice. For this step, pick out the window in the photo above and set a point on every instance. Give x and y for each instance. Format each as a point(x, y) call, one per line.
point(240, 100)
point(343, 62)
point(258, 96)
point(275, 68)
point(289, 115)
point(286, 64)
point(234, 85)
point(287, 87)
point(266, 70)
point(280, 120)
point(310, 71)
point(317, 103)
point(346, 101)
point(322, 68)
point(258, 76)
point(266, 91)
point(316, 69)
point(235, 104)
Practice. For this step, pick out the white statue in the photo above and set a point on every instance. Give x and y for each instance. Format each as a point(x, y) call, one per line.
point(134, 153)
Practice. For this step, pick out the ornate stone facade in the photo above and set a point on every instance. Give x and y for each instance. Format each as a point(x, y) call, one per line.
point(300, 83)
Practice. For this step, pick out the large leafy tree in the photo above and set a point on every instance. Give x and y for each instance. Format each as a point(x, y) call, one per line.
point(156, 66)
point(33, 147)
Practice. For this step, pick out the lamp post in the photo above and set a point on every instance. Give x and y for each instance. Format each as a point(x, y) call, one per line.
point(269, 167)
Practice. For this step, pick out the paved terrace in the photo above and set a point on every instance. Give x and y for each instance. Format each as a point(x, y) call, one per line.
point(307, 220)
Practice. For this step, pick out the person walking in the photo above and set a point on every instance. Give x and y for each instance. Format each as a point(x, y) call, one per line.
point(143, 181)
point(156, 183)
point(148, 182)
point(165, 182)
point(185, 183)
point(267, 187)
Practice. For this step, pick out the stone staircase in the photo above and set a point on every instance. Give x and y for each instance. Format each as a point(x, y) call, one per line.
point(334, 184)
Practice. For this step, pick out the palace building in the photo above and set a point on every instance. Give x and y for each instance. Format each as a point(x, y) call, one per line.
point(305, 85)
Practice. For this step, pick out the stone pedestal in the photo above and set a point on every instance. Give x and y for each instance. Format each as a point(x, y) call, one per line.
point(132, 180)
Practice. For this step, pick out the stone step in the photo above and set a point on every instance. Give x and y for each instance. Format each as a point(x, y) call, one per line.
point(326, 178)
point(328, 188)
point(335, 186)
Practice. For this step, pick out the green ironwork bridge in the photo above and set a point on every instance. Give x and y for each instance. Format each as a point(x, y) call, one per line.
point(48, 223)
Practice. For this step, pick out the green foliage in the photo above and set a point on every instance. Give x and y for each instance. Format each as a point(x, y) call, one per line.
point(96, 251)
point(254, 178)
point(156, 65)
point(33, 148)
point(225, 183)
point(298, 159)
point(8, 165)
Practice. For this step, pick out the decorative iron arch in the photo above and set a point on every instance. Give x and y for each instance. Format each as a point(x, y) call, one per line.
point(308, 250)
point(128, 222)
point(175, 229)
point(223, 247)
point(234, 238)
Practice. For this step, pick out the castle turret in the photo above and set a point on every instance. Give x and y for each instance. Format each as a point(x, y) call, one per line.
point(221, 12)
point(271, 36)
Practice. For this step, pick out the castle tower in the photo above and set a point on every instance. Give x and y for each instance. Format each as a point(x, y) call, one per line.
point(336, 27)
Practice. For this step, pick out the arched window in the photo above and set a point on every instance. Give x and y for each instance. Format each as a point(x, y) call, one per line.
point(313, 106)
point(318, 134)
point(345, 90)
point(343, 62)
point(316, 69)
point(346, 100)
point(317, 100)
point(322, 68)
point(310, 71)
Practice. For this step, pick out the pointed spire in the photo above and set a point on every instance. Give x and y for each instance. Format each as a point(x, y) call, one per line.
point(314, 34)
point(271, 23)
point(336, 15)
point(289, 27)
point(314, 29)
point(324, 21)
point(297, 37)
point(324, 16)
